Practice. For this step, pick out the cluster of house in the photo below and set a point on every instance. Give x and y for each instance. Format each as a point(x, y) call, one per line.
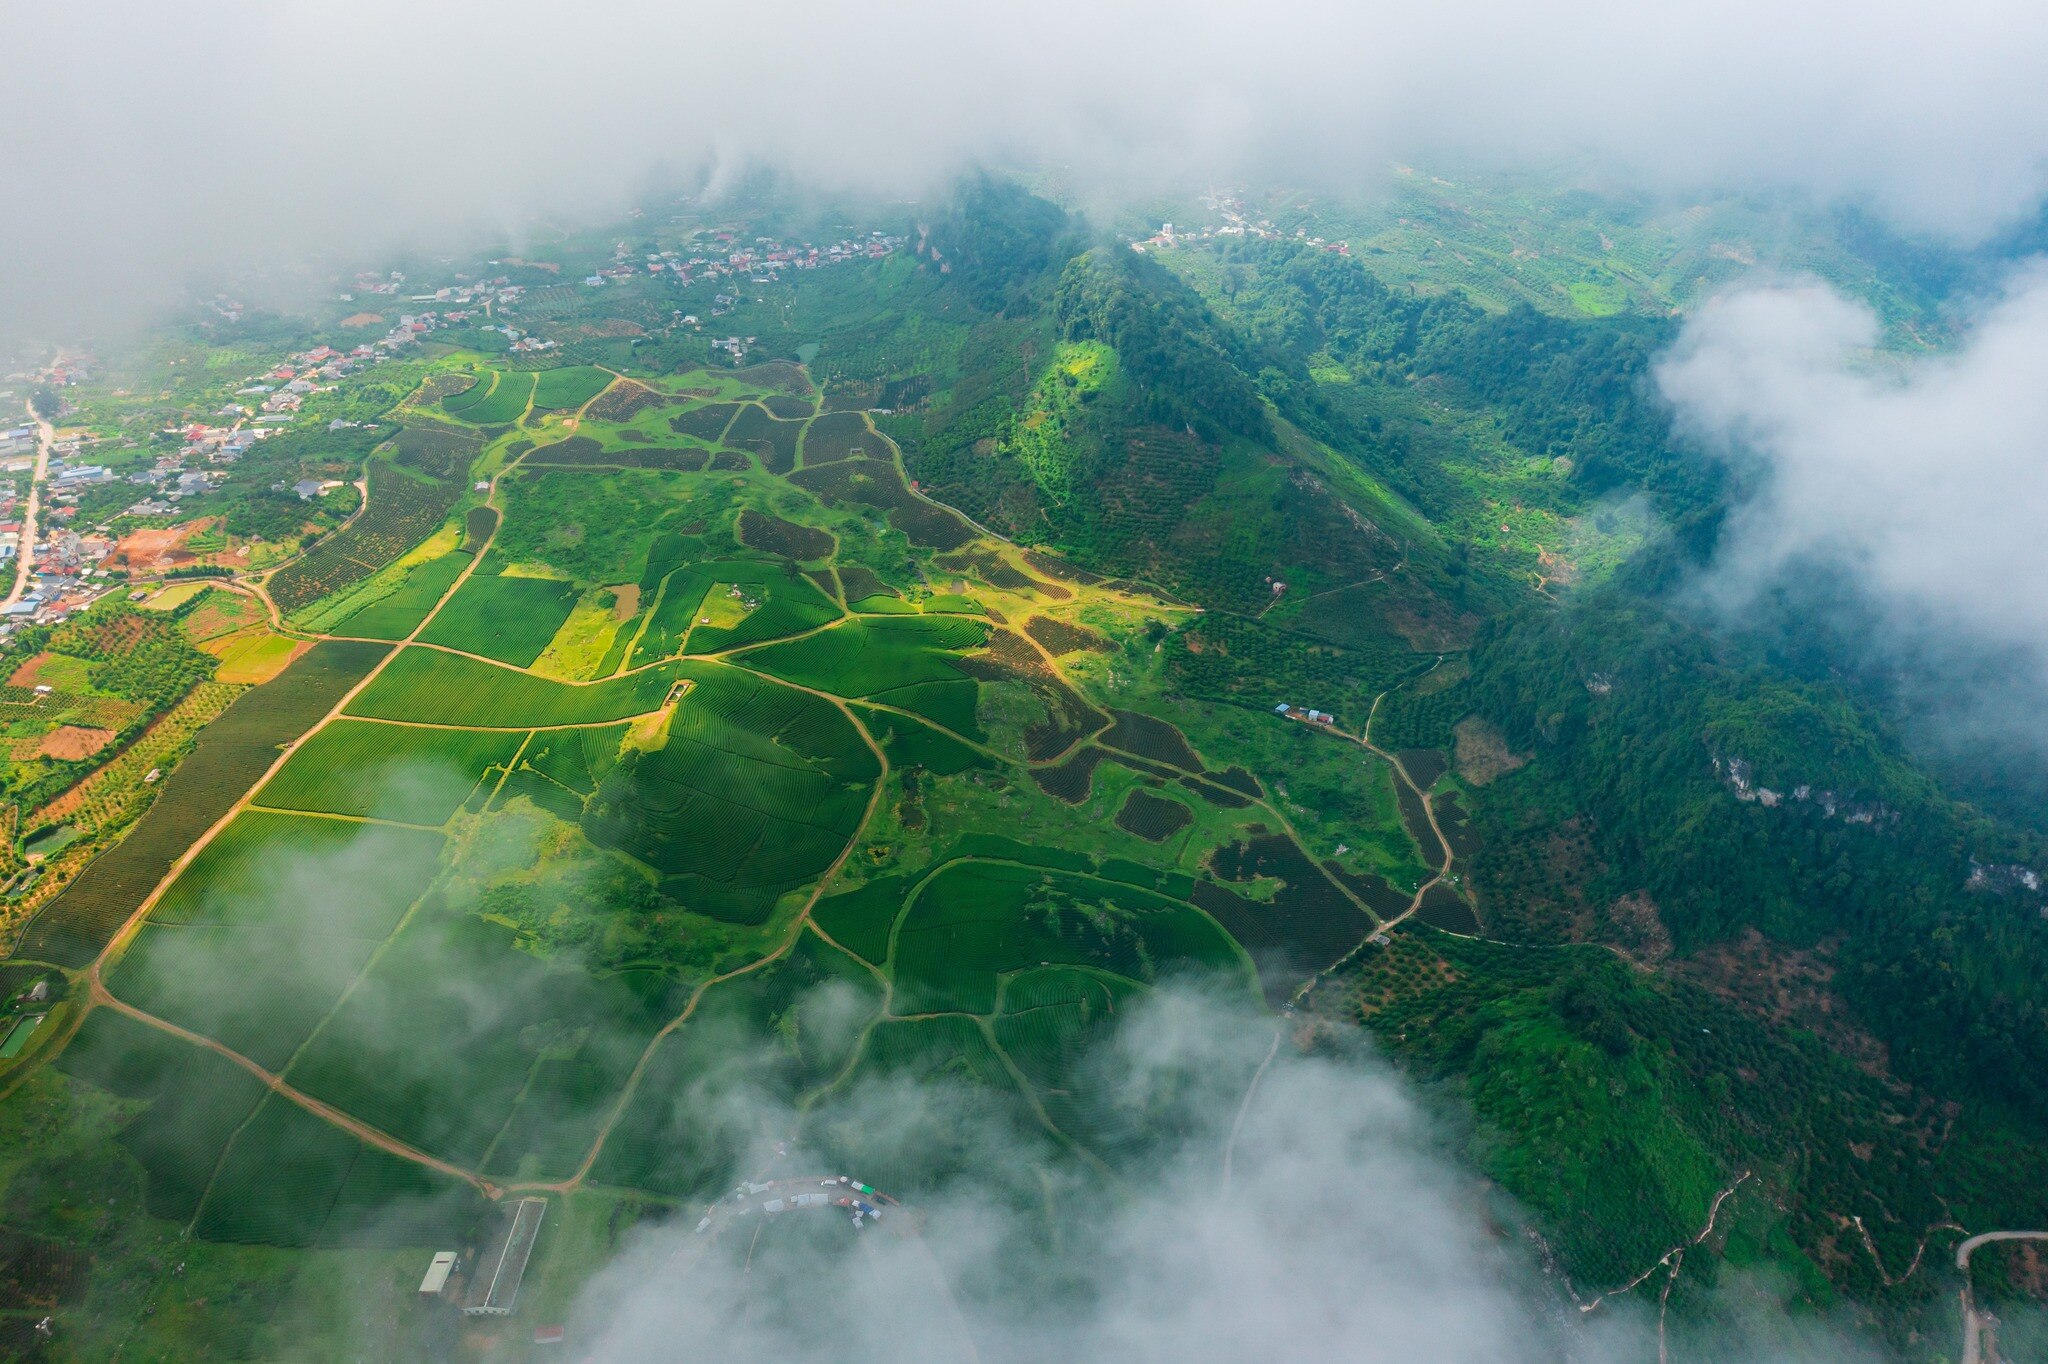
point(499, 289)
point(523, 342)
point(282, 390)
point(1235, 223)
point(66, 566)
point(369, 282)
point(233, 429)
point(17, 448)
point(66, 479)
point(285, 387)
point(169, 480)
point(762, 262)
point(69, 367)
point(1313, 717)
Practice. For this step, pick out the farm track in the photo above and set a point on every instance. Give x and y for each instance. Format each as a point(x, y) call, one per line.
point(98, 993)
point(277, 1085)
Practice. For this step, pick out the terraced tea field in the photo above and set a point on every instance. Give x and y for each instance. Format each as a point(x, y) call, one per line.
point(481, 925)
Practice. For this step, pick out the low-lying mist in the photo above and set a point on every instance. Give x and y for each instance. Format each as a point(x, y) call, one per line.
point(152, 148)
point(1286, 1201)
point(1913, 492)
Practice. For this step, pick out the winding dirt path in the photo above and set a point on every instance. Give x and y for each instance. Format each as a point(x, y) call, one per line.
point(1364, 740)
point(1443, 871)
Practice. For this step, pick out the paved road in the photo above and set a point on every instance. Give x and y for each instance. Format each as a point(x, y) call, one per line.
point(26, 550)
point(1973, 1321)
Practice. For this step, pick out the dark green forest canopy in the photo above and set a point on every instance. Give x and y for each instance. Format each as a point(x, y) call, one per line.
point(1625, 698)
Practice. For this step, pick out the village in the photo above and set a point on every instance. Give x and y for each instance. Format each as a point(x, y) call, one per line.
point(68, 562)
point(1231, 209)
point(762, 262)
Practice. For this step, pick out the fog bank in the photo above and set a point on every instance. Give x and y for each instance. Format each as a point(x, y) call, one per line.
point(1923, 482)
point(1344, 1231)
point(149, 146)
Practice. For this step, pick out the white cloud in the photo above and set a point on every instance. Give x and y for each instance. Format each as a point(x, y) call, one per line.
point(1345, 1233)
point(148, 142)
point(1924, 480)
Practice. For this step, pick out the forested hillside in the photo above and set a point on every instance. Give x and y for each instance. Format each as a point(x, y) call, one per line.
point(1505, 488)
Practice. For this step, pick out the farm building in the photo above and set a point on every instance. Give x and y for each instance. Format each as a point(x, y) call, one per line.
point(438, 1270)
point(494, 1287)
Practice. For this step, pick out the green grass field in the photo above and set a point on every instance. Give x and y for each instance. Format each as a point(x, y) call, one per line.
point(317, 876)
point(869, 655)
point(256, 991)
point(455, 1096)
point(426, 686)
point(290, 1179)
point(974, 922)
point(508, 619)
point(194, 1101)
point(751, 602)
point(504, 401)
point(399, 614)
point(566, 388)
point(756, 790)
point(410, 775)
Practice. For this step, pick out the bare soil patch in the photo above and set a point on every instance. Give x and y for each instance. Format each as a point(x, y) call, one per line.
point(1787, 987)
point(69, 743)
point(30, 674)
point(160, 548)
point(1483, 752)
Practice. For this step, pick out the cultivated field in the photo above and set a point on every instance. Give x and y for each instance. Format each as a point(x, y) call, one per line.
point(726, 770)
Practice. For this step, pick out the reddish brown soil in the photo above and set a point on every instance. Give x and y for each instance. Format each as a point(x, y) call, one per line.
point(30, 674)
point(68, 743)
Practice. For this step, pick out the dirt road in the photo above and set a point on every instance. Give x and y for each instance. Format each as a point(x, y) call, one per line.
point(383, 1141)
